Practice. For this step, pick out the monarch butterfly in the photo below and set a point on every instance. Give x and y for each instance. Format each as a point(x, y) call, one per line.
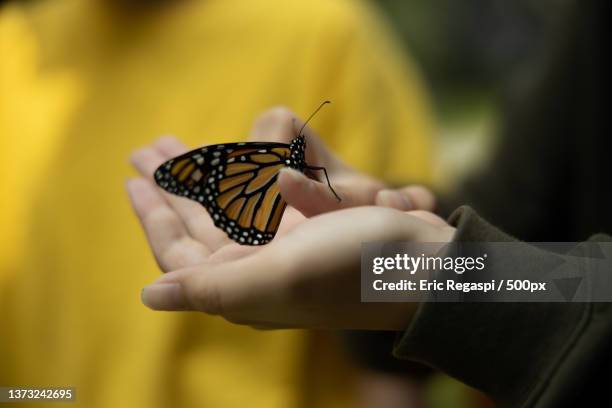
point(237, 183)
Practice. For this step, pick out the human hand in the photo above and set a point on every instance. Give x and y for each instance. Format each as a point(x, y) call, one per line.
point(180, 232)
point(187, 244)
point(356, 189)
point(308, 277)
point(201, 240)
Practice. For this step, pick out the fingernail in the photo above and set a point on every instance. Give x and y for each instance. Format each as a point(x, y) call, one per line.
point(394, 199)
point(164, 296)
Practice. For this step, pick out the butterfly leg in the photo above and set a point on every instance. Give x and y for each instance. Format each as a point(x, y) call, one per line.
point(326, 178)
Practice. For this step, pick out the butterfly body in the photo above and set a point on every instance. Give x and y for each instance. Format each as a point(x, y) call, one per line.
point(236, 183)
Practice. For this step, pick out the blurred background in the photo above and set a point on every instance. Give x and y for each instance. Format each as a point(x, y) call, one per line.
point(472, 54)
point(418, 89)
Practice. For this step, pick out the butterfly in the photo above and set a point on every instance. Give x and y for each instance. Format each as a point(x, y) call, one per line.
point(237, 183)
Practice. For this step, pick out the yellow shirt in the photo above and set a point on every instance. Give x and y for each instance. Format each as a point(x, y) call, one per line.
point(82, 85)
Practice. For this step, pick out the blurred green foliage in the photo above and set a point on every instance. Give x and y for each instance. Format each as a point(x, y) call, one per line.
point(472, 44)
point(471, 52)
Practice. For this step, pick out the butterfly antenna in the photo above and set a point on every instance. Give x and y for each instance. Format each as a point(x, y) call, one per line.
point(312, 115)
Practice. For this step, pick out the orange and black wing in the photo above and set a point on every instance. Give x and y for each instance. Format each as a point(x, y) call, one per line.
point(236, 183)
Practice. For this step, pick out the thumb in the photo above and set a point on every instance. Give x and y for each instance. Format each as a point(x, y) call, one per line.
point(311, 197)
point(168, 292)
point(195, 288)
point(219, 288)
point(407, 198)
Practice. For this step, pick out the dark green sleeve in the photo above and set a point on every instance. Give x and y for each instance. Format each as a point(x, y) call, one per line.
point(520, 354)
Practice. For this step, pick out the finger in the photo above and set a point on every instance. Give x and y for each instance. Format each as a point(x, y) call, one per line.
point(147, 160)
point(226, 288)
point(265, 326)
point(199, 222)
point(274, 125)
point(311, 197)
point(163, 227)
point(168, 292)
point(429, 217)
point(164, 296)
point(407, 198)
point(282, 125)
point(393, 199)
point(194, 216)
point(169, 147)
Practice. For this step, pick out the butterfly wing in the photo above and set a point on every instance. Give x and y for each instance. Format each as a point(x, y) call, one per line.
point(236, 183)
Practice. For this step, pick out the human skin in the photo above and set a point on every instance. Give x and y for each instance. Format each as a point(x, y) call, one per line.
point(308, 276)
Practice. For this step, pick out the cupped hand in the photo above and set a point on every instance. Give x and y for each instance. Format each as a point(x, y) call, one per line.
point(312, 197)
point(180, 231)
point(194, 237)
point(308, 277)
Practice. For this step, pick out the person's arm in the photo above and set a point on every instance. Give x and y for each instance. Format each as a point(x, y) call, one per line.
point(283, 285)
point(520, 354)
